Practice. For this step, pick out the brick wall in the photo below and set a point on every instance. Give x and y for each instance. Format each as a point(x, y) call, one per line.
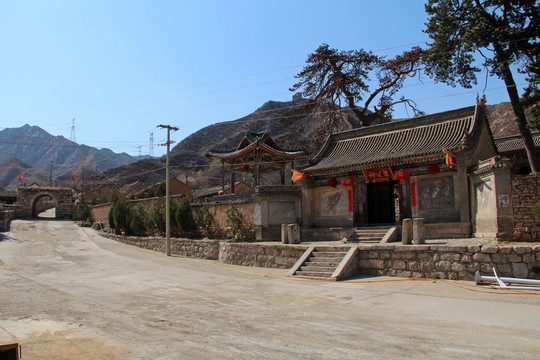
point(525, 190)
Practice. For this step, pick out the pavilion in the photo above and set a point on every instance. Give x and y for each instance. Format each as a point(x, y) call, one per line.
point(256, 154)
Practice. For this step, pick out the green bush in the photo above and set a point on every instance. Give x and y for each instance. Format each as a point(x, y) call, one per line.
point(135, 221)
point(234, 220)
point(119, 212)
point(157, 215)
point(184, 216)
point(83, 210)
point(205, 220)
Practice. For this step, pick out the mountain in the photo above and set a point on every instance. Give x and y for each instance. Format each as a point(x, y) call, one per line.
point(37, 148)
point(13, 167)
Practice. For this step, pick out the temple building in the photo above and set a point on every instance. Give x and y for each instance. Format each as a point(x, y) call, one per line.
point(442, 167)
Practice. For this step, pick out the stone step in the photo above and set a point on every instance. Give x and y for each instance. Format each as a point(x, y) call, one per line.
point(365, 239)
point(329, 254)
point(318, 274)
point(323, 263)
point(318, 268)
point(381, 234)
point(315, 278)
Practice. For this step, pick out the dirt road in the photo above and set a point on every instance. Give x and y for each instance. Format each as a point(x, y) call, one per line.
point(67, 293)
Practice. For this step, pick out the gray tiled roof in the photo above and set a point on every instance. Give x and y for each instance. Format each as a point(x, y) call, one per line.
point(250, 147)
point(397, 142)
point(253, 140)
point(514, 143)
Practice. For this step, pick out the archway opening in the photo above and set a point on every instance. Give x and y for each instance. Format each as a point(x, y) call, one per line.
point(44, 206)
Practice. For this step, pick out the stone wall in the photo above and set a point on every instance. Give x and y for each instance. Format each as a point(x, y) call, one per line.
point(525, 190)
point(449, 262)
point(422, 261)
point(245, 254)
point(260, 255)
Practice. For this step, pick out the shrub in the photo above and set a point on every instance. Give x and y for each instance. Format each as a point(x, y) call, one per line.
point(135, 222)
point(184, 216)
point(83, 210)
point(205, 220)
point(119, 214)
point(157, 216)
point(234, 220)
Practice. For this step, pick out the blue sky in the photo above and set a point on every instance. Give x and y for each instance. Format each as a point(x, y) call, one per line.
point(120, 68)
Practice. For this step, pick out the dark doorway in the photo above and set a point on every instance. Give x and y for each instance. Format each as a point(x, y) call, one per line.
point(380, 203)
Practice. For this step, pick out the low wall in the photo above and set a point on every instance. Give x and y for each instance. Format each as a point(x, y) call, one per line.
point(525, 191)
point(423, 261)
point(261, 255)
point(449, 262)
point(246, 254)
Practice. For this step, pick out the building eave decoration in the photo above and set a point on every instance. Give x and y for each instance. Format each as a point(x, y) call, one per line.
point(397, 143)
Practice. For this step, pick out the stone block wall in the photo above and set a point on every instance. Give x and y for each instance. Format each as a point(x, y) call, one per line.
point(449, 262)
point(525, 191)
point(260, 255)
point(421, 261)
point(203, 249)
point(245, 254)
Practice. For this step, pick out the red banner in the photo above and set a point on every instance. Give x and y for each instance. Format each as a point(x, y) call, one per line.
point(379, 175)
point(413, 195)
point(350, 197)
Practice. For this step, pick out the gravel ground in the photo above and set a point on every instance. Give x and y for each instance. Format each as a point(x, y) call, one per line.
point(67, 293)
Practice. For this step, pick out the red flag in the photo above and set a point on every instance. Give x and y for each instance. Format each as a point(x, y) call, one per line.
point(449, 158)
point(297, 176)
point(20, 176)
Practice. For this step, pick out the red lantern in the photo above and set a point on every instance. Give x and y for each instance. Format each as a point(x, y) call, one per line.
point(348, 181)
point(401, 175)
point(220, 192)
point(332, 182)
point(433, 169)
point(245, 167)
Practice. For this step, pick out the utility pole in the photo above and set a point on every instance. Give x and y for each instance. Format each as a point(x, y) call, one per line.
point(167, 199)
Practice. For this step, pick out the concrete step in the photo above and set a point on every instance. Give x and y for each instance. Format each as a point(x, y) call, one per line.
point(318, 268)
point(329, 254)
point(319, 274)
point(315, 278)
point(323, 262)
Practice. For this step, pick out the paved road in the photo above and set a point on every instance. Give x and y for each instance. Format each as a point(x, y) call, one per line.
point(67, 293)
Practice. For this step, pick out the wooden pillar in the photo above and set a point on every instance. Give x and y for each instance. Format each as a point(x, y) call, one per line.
point(233, 179)
point(223, 175)
point(257, 167)
point(283, 174)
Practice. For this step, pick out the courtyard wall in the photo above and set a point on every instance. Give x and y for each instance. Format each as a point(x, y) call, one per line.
point(454, 262)
point(525, 191)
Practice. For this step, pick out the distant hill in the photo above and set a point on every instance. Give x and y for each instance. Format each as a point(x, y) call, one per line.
point(12, 168)
point(37, 148)
point(188, 157)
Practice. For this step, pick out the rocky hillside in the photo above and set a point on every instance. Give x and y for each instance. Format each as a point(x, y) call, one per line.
point(12, 168)
point(37, 148)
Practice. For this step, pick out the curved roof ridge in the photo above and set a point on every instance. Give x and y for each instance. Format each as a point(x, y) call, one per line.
point(396, 141)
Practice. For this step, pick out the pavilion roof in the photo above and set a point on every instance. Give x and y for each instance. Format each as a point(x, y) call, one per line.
point(257, 141)
point(396, 143)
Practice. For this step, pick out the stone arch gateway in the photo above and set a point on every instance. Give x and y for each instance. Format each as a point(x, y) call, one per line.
point(28, 198)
